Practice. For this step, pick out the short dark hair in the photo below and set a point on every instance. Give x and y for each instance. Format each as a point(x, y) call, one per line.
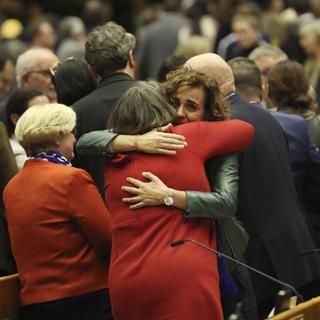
point(141, 109)
point(18, 103)
point(288, 85)
point(247, 77)
point(169, 64)
point(216, 107)
point(108, 48)
point(72, 80)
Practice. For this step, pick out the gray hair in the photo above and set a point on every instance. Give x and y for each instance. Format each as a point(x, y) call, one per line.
point(70, 26)
point(267, 50)
point(108, 48)
point(29, 61)
point(141, 109)
point(311, 27)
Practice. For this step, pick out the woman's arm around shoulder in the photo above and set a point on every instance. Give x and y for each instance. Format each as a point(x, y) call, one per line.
point(108, 143)
point(211, 138)
point(95, 143)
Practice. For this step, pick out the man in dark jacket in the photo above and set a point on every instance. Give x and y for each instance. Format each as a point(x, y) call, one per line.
point(109, 54)
point(304, 157)
point(268, 204)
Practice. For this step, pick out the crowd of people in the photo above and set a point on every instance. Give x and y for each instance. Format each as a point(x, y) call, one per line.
point(200, 123)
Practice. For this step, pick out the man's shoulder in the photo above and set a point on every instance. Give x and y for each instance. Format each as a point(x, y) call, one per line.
point(244, 110)
point(289, 119)
point(85, 100)
point(110, 91)
point(241, 106)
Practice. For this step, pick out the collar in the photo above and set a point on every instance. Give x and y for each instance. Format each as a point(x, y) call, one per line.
point(228, 96)
point(114, 77)
point(54, 157)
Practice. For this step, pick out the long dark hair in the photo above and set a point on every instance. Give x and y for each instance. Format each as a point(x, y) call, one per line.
point(72, 80)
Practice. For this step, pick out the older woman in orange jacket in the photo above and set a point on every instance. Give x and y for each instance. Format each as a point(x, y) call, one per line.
point(58, 224)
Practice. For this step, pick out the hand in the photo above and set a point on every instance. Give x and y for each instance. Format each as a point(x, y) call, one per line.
point(147, 194)
point(160, 142)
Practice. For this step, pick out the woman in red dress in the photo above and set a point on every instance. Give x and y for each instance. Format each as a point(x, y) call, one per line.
point(149, 279)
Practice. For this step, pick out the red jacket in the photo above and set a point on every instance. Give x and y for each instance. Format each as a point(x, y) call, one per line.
point(60, 231)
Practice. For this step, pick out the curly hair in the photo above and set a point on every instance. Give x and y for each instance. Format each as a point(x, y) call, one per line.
point(108, 48)
point(216, 107)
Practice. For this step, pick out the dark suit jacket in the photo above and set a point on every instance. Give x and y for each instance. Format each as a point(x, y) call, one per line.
point(305, 160)
point(8, 170)
point(92, 114)
point(268, 206)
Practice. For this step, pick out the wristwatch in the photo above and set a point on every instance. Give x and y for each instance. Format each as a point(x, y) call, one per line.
point(168, 199)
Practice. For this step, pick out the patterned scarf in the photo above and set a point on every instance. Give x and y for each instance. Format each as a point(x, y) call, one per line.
point(53, 156)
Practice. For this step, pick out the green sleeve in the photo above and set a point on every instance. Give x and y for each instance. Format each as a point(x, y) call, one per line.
point(222, 202)
point(95, 143)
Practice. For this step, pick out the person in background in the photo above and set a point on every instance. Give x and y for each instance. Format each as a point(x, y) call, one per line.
point(265, 58)
point(6, 75)
point(18, 103)
point(109, 53)
point(304, 157)
point(158, 39)
point(41, 34)
point(6, 81)
point(72, 80)
point(73, 33)
point(59, 227)
point(289, 92)
point(267, 196)
point(309, 34)
point(33, 71)
point(171, 63)
point(245, 37)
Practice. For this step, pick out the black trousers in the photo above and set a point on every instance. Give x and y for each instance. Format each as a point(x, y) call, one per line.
point(246, 296)
point(90, 306)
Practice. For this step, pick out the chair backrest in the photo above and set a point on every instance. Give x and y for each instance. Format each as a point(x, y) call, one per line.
point(309, 310)
point(9, 297)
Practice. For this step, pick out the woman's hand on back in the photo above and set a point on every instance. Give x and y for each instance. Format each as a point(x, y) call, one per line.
point(146, 194)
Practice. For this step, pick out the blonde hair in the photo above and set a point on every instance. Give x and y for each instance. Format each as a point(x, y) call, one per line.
point(40, 125)
point(311, 27)
point(268, 50)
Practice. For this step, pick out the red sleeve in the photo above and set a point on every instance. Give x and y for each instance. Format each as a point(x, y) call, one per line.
point(89, 211)
point(207, 139)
